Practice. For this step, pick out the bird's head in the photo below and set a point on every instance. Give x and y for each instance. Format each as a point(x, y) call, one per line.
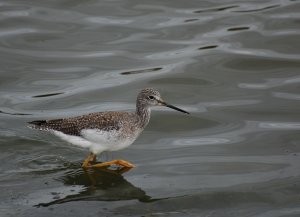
point(150, 97)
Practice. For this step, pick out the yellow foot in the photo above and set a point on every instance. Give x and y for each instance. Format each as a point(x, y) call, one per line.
point(91, 158)
point(116, 172)
point(122, 163)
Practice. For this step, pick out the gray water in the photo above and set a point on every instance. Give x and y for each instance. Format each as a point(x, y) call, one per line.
point(234, 65)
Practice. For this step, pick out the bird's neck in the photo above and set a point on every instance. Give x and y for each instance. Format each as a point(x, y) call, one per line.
point(143, 114)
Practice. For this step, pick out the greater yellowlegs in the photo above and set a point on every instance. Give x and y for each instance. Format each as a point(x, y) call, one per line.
point(105, 131)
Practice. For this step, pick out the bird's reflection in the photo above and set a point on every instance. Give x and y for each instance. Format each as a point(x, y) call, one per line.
point(100, 185)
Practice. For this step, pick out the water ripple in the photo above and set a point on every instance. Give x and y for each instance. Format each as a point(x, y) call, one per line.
point(259, 9)
point(233, 65)
point(19, 31)
point(280, 125)
point(271, 83)
point(14, 13)
point(217, 9)
point(282, 95)
point(200, 141)
point(60, 54)
point(108, 21)
point(230, 134)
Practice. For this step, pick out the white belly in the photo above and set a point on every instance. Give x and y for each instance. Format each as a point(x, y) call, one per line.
point(98, 141)
point(107, 140)
point(75, 140)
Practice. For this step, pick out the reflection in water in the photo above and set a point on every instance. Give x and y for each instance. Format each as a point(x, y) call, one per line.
point(260, 9)
point(207, 47)
point(47, 95)
point(190, 20)
point(216, 9)
point(141, 71)
point(238, 28)
point(100, 185)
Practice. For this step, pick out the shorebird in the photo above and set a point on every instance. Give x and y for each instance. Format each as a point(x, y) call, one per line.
point(105, 131)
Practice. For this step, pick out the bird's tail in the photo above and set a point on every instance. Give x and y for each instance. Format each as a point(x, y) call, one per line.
point(38, 125)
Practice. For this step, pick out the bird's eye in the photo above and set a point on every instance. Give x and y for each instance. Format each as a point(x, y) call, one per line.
point(151, 97)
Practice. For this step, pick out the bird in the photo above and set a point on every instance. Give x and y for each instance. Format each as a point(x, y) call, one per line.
point(105, 131)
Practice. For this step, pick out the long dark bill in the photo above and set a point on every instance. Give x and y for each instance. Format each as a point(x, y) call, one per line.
point(173, 107)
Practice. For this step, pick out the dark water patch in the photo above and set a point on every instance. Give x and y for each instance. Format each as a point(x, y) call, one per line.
point(141, 71)
point(216, 9)
point(220, 202)
point(260, 9)
point(190, 20)
point(208, 47)
point(262, 198)
point(238, 28)
point(47, 95)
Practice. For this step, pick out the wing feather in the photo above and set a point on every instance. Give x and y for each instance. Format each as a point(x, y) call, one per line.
point(105, 121)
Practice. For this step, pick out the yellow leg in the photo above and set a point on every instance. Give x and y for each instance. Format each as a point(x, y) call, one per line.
point(90, 158)
point(122, 163)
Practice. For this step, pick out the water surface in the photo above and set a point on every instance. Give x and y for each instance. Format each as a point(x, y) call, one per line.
point(234, 65)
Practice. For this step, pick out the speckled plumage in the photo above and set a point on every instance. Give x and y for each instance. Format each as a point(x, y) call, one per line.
point(105, 121)
point(105, 131)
